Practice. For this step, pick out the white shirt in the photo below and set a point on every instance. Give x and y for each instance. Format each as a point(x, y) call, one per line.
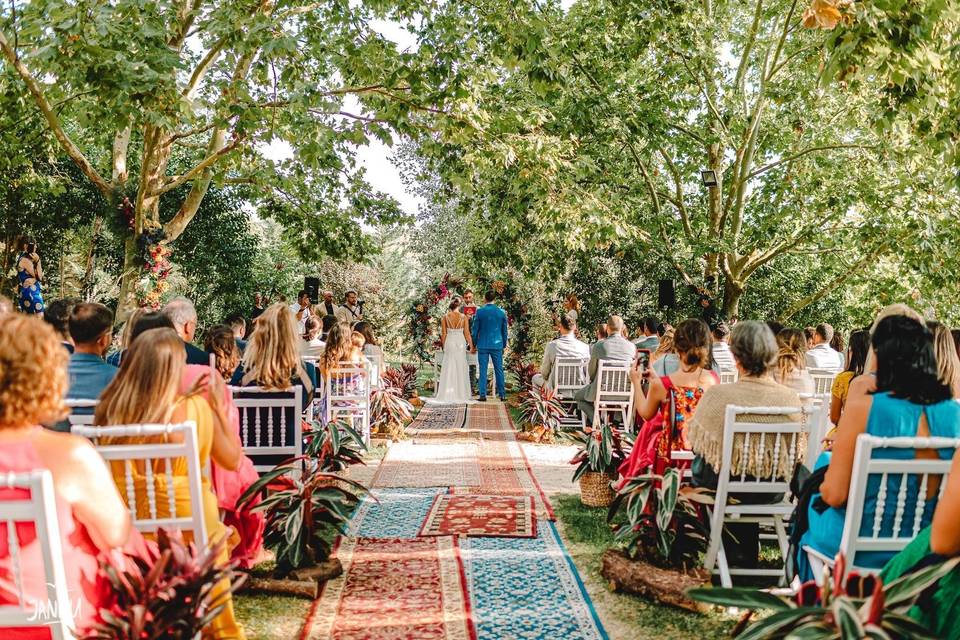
point(567, 346)
point(723, 356)
point(312, 348)
point(302, 322)
point(822, 356)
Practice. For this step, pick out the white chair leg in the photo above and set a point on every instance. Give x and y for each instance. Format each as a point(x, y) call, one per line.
point(724, 568)
point(716, 532)
point(782, 537)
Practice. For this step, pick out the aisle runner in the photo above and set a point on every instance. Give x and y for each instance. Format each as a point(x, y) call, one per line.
point(399, 585)
point(485, 516)
point(411, 464)
point(438, 418)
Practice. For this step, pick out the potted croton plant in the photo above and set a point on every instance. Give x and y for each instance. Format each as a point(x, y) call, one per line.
point(657, 523)
point(852, 607)
point(602, 450)
point(541, 413)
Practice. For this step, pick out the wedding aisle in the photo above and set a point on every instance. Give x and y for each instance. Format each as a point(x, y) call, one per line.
point(457, 541)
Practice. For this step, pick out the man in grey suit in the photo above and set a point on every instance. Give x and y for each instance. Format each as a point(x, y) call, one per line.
point(616, 347)
point(566, 346)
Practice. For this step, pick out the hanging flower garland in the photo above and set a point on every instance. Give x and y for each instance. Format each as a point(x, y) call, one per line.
point(156, 268)
point(425, 340)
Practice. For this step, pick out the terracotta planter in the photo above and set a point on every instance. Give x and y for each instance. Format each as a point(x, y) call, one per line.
point(595, 489)
point(666, 586)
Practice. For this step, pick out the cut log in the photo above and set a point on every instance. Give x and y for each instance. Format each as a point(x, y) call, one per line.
point(321, 573)
point(666, 586)
point(301, 588)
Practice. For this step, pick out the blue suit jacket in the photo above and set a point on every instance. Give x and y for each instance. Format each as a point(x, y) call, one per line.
point(489, 328)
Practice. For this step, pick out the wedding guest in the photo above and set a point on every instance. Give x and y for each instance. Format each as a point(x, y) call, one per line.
point(615, 348)
point(649, 339)
point(566, 346)
point(776, 328)
point(358, 342)
point(30, 277)
point(721, 350)
point(301, 310)
point(664, 360)
point(91, 328)
point(147, 391)
point(910, 400)
point(339, 349)
point(939, 609)
point(57, 316)
point(571, 307)
point(351, 311)
point(867, 383)
point(272, 359)
point(856, 359)
point(808, 334)
point(820, 355)
point(948, 364)
point(755, 350)
point(670, 401)
point(791, 368)
point(837, 343)
point(311, 345)
point(326, 323)
point(370, 346)
point(183, 315)
point(92, 517)
point(327, 306)
point(6, 305)
point(600, 331)
point(259, 303)
point(115, 357)
point(469, 309)
point(222, 343)
point(239, 327)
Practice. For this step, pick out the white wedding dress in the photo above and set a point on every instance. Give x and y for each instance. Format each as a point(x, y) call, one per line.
point(454, 384)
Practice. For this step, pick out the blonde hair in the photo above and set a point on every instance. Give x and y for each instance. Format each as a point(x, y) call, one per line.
point(948, 364)
point(146, 388)
point(272, 357)
point(339, 347)
point(126, 336)
point(792, 354)
point(33, 372)
point(665, 346)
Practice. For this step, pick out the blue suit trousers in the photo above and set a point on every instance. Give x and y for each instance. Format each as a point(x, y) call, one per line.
point(497, 356)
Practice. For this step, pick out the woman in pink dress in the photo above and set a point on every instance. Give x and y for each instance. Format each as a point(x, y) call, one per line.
point(92, 516)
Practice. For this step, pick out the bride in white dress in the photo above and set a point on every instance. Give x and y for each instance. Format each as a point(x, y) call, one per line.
point(454, 384)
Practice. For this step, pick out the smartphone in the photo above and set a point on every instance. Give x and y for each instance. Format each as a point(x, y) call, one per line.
point(643, 357)
point(32, 248)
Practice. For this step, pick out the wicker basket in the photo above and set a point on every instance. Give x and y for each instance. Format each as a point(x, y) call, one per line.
point(595, 489)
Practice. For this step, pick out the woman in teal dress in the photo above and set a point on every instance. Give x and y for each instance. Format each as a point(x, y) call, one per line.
point(910, 400)
point(938, 610)
point(29, 275)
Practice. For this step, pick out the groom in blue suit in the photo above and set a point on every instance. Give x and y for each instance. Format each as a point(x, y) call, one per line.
point(489, 333)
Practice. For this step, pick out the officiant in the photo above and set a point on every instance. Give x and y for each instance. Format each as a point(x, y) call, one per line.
point(469, 309)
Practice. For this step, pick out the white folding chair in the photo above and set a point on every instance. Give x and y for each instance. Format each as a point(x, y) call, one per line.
point(727, 377)
point(818, 406)
point(376, 366)
point(569, 376)
point(614, 392)
point(822, 380)
point(270, 422)
point(148, 466)
point(347, 392)
point(890, 484)
point(782, 441)
point(85, 414)
point(50, 608)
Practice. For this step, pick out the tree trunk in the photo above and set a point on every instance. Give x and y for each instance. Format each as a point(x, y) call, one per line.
point(128, 279)
point(732, 292)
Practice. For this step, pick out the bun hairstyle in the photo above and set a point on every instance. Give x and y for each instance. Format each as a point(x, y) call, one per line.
point(791, 355)
point(691, 340)
point(455, 303)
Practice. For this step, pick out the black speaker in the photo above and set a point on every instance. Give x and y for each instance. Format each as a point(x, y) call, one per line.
point(312, 287)
point(666, 295)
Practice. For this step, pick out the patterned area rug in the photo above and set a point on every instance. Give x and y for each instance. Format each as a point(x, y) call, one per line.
point(395, 589)
point(429, 465)
point(504, 469)
point(438, 418)
point(495, 516)
point(528, 588)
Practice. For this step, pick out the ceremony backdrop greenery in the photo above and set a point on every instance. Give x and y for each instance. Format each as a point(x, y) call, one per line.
point(563, 147)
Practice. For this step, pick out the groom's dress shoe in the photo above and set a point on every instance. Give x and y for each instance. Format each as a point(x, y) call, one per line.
point(482, 399)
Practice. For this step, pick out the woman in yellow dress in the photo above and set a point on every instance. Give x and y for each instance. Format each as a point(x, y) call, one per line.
point(146, 391)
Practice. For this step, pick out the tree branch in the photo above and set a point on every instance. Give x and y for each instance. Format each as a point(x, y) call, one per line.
point(202, 166)
point(681, 207)
point(800, 154)
point(72, 150)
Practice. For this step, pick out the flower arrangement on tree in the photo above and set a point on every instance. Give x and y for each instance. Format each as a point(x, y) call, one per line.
point(153, 284)
point(422, 318)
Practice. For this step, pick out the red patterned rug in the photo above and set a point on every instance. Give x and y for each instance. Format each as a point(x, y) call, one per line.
point(397, 589)
point(485, 516)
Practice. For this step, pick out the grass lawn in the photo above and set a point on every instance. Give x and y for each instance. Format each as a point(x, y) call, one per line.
point(626, 617)
point(271, 617)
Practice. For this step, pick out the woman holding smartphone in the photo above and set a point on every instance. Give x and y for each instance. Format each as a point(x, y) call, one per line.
point(29, 275)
